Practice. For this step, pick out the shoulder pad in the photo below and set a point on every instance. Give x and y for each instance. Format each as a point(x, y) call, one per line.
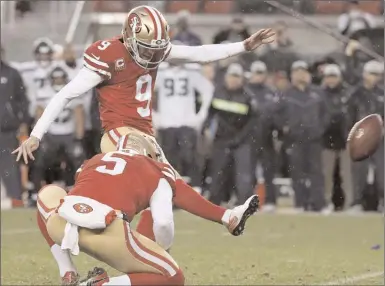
point(101, 55)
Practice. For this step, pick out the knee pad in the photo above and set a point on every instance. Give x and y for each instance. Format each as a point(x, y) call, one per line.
point(48, 199)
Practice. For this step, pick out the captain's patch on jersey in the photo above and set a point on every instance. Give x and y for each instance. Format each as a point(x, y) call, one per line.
point(120, 64)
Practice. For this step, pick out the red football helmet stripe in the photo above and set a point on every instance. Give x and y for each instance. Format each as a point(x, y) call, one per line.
point(153, 21)
point(161, 23)
point(125, 141)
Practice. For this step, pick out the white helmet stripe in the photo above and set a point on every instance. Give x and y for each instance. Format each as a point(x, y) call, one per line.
point(157, 21)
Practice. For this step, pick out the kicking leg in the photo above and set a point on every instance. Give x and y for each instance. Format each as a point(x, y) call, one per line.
point(186, 197)
point(48, 199)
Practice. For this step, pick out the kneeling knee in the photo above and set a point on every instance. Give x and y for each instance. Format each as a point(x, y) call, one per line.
point(177, 279)
point(49, 199)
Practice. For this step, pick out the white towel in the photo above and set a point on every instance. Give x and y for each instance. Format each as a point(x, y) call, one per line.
point(71, 239)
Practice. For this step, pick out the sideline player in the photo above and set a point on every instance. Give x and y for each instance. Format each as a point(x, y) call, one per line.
point(65, 133)
point(120, 183)
point(123, 70)
point(177, 120)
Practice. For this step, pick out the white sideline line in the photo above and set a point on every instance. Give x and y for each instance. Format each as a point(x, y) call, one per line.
point(354, 279)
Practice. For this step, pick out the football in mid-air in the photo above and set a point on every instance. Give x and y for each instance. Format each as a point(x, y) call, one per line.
point(365, 137)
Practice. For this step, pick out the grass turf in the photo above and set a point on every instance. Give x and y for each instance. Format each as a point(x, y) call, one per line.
point(275, 249)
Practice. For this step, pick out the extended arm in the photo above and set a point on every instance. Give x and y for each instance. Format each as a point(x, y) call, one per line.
point(211, 53)
point(161, 210)
point(204, 54)
point(83, 82)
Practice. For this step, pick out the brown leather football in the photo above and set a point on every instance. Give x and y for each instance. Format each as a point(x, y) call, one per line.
point(365, 137)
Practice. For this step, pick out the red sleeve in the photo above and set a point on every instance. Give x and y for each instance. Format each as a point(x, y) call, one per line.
point(99, 58)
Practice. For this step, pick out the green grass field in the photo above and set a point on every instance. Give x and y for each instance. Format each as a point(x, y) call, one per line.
point(275, 249)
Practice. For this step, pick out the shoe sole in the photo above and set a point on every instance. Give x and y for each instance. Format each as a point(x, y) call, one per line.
point(251, 209)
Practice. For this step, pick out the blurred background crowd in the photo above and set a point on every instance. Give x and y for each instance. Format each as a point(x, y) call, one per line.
point(274, 122)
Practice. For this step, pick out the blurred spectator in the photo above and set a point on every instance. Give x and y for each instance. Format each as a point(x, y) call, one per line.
point(368, 98)
point(279, 55)
point(303, 118)
point(183, 33)
point(262, 144)
point(237, 32)
point(64, 137)
point(280, 81)
point(69, 57)
point(14, 120)
point(92, 131)
point(247, 6)
point(354, 19)
point(38, 74)
point(43, 52)
point(317, 69)
point(372, 39)
point(176, 117)
point(220, 68)
point(232, 114)
point(336, 133)
point(22, 7)
point(34, 73)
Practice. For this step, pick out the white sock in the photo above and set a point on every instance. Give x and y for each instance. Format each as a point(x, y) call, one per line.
point(119, 280)
point(226, 217)
point(63, 260)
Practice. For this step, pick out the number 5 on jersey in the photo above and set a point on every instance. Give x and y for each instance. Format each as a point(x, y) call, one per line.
point(143, 94)
point(119, 163)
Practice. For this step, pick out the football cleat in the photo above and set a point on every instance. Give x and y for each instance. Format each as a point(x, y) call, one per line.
point(70, 278)
point(97, 277)
point(240, 214)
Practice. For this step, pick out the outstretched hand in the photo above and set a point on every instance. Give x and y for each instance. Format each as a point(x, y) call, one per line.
point(26, 148)
point(261, 37)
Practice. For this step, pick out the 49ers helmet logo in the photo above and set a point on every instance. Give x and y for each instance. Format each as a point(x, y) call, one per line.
point(83, 208)
point(134, 21)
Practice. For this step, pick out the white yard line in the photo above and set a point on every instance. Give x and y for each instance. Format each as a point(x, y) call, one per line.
point(354, 279)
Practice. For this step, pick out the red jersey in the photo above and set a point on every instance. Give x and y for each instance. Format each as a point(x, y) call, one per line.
point(122, 181)
point(125, 95)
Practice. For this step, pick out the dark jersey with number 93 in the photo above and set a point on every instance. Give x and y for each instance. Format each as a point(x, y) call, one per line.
point(125, 95)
